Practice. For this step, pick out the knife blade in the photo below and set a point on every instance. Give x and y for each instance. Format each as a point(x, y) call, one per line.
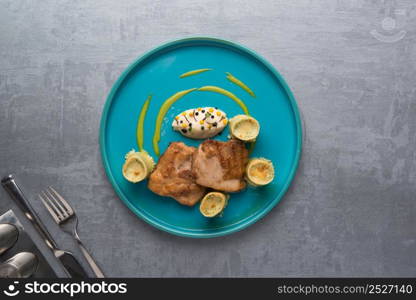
point(71, 265)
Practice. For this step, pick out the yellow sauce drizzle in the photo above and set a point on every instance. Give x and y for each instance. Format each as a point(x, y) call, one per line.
point(161, 115)
point(216, 89)
point(241, 84)
point(193, 72)
point(140, 123)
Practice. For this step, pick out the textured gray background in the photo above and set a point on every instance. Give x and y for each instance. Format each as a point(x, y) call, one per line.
point(349, 212)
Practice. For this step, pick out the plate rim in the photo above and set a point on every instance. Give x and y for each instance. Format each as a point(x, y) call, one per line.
point(242, 224)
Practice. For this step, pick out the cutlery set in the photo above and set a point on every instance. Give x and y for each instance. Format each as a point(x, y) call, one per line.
point(64, 215)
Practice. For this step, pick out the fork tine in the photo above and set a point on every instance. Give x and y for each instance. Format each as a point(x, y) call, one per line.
point(51, 211)
point(63, 201)
point(53, 204)
point(57, 203)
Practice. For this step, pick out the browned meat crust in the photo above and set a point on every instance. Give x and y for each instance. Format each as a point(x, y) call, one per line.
point(173, 176)
point(221, 165)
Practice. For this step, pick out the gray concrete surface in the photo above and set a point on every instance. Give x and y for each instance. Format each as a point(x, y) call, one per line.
point(351, 209)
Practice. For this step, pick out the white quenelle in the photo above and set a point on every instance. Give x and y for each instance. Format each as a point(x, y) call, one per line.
point(200, 123)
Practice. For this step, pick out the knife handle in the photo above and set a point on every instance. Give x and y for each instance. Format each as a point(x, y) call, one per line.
point(9, 184)
point(72, 266)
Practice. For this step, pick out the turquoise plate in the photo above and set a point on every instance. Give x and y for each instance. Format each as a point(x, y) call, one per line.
point(157, 73)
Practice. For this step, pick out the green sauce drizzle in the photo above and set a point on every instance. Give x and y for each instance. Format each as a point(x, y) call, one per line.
point(140, 123)
point(216, 89)
point(161, 115)
point(241, 84)
point(193, 72)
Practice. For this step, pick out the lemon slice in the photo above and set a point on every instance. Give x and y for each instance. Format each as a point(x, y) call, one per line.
point(213, 203)
point(138, 166)
point(244, 128)
point(259, 171)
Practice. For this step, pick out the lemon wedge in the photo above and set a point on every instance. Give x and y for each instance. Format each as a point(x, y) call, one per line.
point(213, 203)
point(244, 128)
point(259, 171)
point(138, 166)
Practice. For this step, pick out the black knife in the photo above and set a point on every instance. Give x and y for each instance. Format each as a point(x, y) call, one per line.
point(71, 266)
